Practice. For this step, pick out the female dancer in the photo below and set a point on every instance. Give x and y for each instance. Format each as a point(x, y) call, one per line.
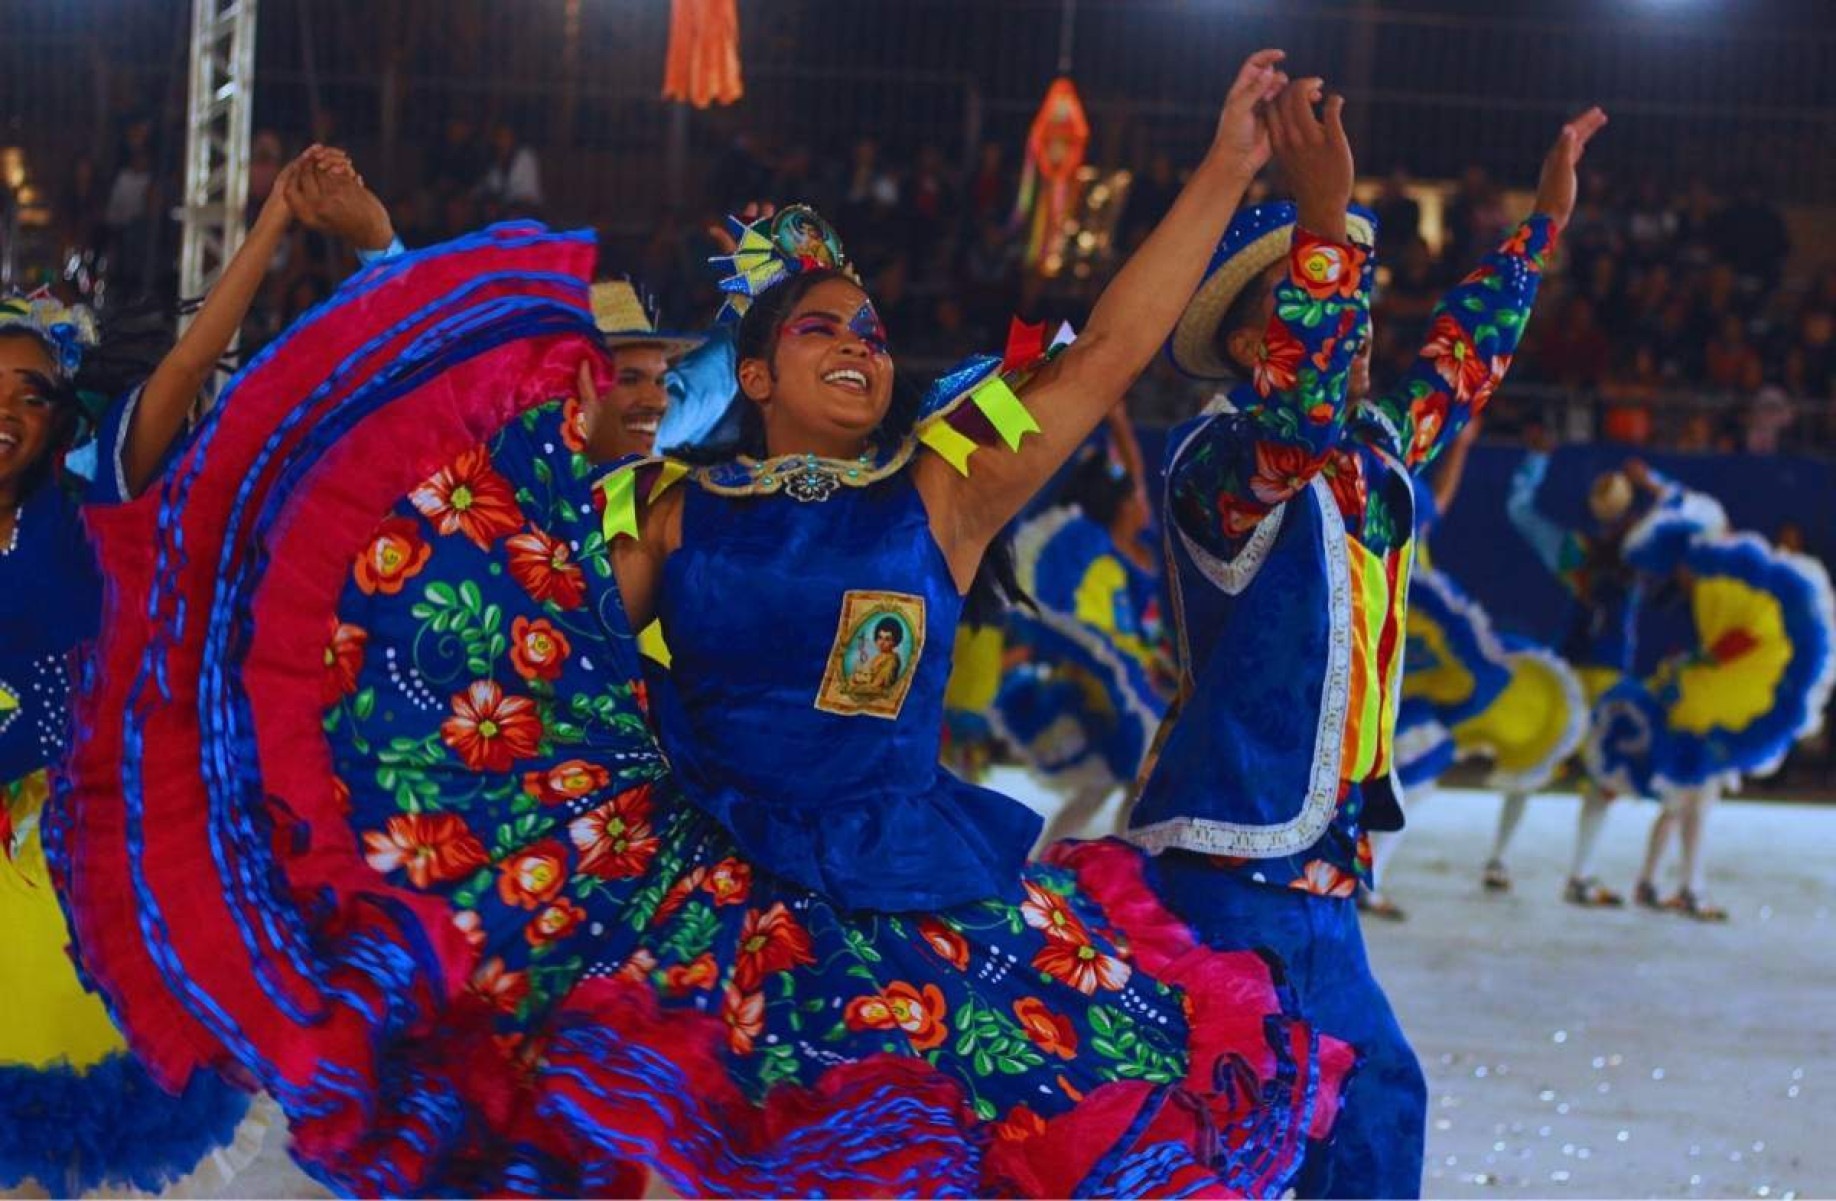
point(1600, 638)
point(78, 1111)
point(1757, 681)
point(422, 873)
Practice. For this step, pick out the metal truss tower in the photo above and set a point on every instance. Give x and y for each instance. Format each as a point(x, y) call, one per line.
point(217, 139)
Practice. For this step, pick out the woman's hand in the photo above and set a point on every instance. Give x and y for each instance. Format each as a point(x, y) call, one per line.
point(1556, 190)
point(328, 195)
point(1243, 136)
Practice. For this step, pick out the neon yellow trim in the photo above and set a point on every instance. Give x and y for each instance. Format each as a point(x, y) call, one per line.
point(652, 646)
point(953, 446)
point(672, 473)
point(620, 519)
point(1011, 419)
point(1364, 722)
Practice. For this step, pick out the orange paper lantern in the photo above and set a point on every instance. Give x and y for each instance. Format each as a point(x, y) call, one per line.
point(703, 66)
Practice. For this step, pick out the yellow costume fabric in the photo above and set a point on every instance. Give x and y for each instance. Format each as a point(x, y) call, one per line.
point(49, 1017)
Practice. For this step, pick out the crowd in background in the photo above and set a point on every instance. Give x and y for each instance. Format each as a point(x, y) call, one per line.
point(1675, 314)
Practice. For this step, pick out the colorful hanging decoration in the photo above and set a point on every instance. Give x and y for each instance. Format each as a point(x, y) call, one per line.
point(1055, 147)
point(703, 66)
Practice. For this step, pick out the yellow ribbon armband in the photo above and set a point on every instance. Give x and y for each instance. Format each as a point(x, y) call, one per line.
point(997, 401)
point(620, 489)
point(1011, 419)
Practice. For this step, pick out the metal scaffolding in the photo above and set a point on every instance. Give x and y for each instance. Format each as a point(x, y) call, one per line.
point(217, 139)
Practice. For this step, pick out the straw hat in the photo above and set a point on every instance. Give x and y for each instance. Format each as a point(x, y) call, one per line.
point(1257, 239)
point(624, 321)
point(1610, 497)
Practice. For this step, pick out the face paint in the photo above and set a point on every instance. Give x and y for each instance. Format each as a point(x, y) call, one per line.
point(866, 326)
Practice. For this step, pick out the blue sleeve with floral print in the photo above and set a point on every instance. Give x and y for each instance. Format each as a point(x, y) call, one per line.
point(1473, 333)
point(1290, 415)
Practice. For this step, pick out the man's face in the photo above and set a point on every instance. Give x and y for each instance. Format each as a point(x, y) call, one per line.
point(629, 411)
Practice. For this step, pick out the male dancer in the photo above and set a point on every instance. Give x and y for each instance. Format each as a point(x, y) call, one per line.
point(1290, 519)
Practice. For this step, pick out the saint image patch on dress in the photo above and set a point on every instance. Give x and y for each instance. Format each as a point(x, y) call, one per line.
point(878, 642)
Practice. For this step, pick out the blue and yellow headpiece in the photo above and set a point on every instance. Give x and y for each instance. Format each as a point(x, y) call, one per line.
point(68, 331)
point(772, 250)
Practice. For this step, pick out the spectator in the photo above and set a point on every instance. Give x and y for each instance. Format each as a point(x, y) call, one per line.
point(512, 183)
point(991, 191)
point(741, 175)
point(1768, 418)
point(1731, 360)
point(128, 219)
point(1575, 353)
point(1399, 216)
point(1149, 197)
point(1750, 236)
point(1651, 225)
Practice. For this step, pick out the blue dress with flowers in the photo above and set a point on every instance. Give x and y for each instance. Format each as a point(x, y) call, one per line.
point(478, 928)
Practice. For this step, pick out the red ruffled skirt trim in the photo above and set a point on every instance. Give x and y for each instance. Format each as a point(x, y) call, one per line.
point(220, 902)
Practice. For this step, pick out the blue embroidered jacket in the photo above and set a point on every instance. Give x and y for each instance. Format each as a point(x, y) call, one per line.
point(1290, 519)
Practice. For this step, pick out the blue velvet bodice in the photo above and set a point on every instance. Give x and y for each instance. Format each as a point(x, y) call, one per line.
point(777, 617)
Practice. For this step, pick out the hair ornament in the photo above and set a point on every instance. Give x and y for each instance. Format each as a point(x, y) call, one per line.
point(69, 331)
point(773, 249)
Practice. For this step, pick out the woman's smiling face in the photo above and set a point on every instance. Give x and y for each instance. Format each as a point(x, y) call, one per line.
point(28, 410)
point(830, 379)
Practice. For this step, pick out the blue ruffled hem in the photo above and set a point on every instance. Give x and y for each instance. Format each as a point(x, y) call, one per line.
point(1423, 749)
point(109, 1126)
point(1633, 748)
point(1468, 640)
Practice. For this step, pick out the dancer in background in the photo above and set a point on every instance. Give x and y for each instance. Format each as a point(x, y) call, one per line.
point(1292, 521)
point(450, 904)
point(1600, 638)
point(1087, 675)
point(78, 1111)
point(1756, 681)
point(1470, 692)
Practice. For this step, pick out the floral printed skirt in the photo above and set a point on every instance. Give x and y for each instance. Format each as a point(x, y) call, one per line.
point(367, 813)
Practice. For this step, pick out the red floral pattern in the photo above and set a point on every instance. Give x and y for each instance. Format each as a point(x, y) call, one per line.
point(553, 923)
point(343, 661)
point(538, 650)
point(730, 882)
point(744, 1015)
point(395, 555)
point(950, 946)
point(1051, 1032)
point(916, 1011)
point(469, 497)
point(491, 730)
point(533, 876)
point(1278, 359)
point(770, 941)
point(615, 841)
point(431, 848)
point(567, 781)
point(1083, 966)
point(544, 566)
